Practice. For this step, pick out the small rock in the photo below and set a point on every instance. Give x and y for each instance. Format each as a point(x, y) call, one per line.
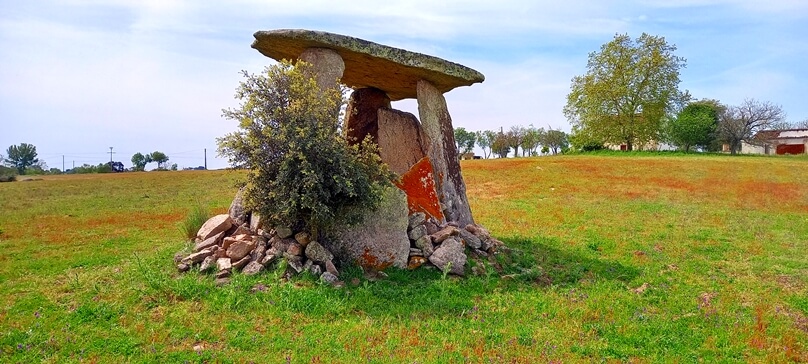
point(303, 238)
point(428, 249)
point(453, 223)
point(223, 264)
point(423, 242)
point(318, 253)
point(329, 278)
point(431, 227)
point(178, 257)
point(281, 245)
point(295, 249)
point(240, 249)
point(415, 262)
point(470, 239)
point(222, 281)
point(209, 242)
point(237, 211)
point(417, 232)
point(355, 281)
point(450, 256)
point(444, 233)
point(258, 253)
point(256, 223)
point(480, 253)
point(316, 270)
point(479, 231)
point(182, 267)
point(243, 229)
point(330, 268)
point(197, 257)
point(471, 228)
point(416, 219)
point(283, 232)
point(228, 241)
point(252, 268)
point(641, 289)
point(214, 225)
point(415, 252)
point(295, 262)
point(307, 265)
point(223, 273)
point(208, 263)
point(241, 262)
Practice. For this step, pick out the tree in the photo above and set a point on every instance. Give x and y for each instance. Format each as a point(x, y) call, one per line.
point(516, 138)
point(301, 168)
point(465, 140)
point(694, 125)
point(532, 140)
point(501, 145)
point(628, 88)
point(555, 140)
point(21, 157)
point(159, 157)
point(139, 161)
point(484, 139)
point(115, 167)
point(740, 123)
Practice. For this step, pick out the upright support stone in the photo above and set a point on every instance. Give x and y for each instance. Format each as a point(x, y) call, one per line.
point(442, 151)
point(327, 65)
point(402, 142)
point(361, 115)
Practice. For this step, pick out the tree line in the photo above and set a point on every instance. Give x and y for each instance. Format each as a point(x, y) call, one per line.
point(527, 141)
point(630, 97)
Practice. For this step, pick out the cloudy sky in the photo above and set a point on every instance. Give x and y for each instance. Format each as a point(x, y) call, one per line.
point(79, 76)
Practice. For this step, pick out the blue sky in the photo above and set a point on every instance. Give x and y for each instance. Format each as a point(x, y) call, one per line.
point(79, 77)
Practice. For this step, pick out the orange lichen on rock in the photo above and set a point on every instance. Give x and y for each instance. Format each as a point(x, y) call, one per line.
point(370, 261)
point(419, 185)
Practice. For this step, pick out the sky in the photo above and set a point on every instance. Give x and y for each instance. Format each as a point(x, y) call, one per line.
point(79, 77)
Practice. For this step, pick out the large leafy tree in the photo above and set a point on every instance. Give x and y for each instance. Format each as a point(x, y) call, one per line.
point(465, 140)
point(555, 140)
point(301, 168)
point(159, 157)
point(740, 123)
point(695, 125)
point(484, 139)
point(21, 157)
point(501, 145)
point(629, 86)
point(139, 161)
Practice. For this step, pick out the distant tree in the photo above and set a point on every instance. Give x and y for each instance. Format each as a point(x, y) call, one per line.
point(21, 157)
point(740, 123)
point(139, 161)
point(465, 140)
point(533, 137)
point(555, 140)
point(629, 86)
point(695, 125)
point(584, 140)
point(516, 138)
point(484, 139)
point(501, 145)
point(800, 124)
point(115, 167)
point(54, 171)
point(174, 167)
point(159, 157)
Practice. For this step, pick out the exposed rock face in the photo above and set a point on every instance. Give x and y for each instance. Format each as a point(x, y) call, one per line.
point(362, 113)
point(237, 211)
point(393, 70)
point(327, 66)
point(450, 251)
point(380, 240)
point(401, 140)
point(442, 152)
point(419, 185)
point(214, 225)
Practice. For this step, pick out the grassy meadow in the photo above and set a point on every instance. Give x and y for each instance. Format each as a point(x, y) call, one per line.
point(629, 258)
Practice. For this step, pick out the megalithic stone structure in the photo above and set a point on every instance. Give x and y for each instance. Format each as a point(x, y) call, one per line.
point(422, 153)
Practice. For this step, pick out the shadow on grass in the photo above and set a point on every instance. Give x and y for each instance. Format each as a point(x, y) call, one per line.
point(531, 264)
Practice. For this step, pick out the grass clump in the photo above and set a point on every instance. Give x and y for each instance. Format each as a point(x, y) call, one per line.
point(193, 221)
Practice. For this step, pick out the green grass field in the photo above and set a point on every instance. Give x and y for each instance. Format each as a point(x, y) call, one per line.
point(633, 258)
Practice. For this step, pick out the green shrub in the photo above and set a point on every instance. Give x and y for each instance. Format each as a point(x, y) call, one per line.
point(301, 168)
point(193, 221)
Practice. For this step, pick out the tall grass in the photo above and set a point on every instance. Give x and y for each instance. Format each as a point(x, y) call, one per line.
point(193, 221)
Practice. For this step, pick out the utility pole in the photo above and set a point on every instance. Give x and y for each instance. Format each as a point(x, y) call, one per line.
point(63, 163)
point(110, 154)
point(206, 159)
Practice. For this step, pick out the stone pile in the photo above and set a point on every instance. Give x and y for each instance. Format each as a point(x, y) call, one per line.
point(223, 246)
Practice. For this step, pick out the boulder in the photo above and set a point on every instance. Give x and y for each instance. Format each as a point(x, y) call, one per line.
point(326, 66)
point(401, 140)
point(444, 233)
point(237, 211)
point(240, 249)
point(252, 268)
point(362, 114)
point(209, 242)
point(198, 257)
point(423, 241)
point(416, 219)
point(417, 232)
point(303, 238)
point(470, 239)
point(419, 186)
point(318, 253)
point(283, 232)
point(214, 225)
point(223, 264)
point(442, 152)
point(241, 262)
point(295, 249)
point(368, 64)
point(450, 251)
point(379, 240)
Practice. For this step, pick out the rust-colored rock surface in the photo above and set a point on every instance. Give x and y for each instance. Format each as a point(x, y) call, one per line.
point(362, 114)
point(395, 71)
point(419, 186)
point(400, 139)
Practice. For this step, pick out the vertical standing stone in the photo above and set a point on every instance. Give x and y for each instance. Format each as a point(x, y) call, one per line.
point(442, 151)
point(361, 115)
point(327, 66)
point(401, 140)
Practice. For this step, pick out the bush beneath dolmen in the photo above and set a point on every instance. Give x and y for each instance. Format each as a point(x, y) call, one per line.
point(301, 168)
